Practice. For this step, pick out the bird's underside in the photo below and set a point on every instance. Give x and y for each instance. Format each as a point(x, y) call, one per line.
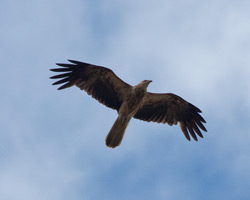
point(130, 101)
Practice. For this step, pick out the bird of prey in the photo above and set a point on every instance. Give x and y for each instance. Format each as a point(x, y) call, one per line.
point(130, 101)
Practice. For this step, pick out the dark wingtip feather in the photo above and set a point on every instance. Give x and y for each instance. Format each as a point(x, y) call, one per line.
point(64, 65)
point(190, 129)
point(61, 75)
point(184, 130)
point(202, 119)
point(201, 126)
point(76, 62)
point(61, 81)
point(67, 85)
point(80, 63)
point(195, 108)
point(197, 130)
point(73, 61)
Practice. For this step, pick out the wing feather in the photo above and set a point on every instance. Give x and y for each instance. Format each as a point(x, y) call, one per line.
point(99, 82)
point(61, 75)
point(170, 108)
point(184, 130)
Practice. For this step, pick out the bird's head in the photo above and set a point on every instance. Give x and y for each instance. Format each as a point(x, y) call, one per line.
point(145, 83)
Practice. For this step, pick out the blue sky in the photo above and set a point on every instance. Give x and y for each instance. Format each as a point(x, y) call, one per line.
point(52, 142)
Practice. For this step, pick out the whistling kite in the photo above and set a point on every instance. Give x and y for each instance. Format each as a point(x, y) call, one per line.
point(130, 101)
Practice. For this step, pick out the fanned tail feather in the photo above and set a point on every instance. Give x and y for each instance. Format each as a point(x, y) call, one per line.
point(117, 131)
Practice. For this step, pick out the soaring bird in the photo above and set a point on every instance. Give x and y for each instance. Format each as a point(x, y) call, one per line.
point(130, 101)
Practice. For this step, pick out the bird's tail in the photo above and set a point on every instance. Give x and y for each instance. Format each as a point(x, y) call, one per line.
point(117, 131)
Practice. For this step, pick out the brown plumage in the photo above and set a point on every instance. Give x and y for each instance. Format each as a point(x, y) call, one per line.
point(130, 101)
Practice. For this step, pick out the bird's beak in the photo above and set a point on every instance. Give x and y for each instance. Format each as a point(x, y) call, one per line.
point(149, 81)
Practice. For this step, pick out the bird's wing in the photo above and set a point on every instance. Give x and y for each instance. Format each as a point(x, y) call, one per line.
point(99, 82)
point(170, 108)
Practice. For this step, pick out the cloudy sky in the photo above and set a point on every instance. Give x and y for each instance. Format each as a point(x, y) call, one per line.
point(52, 142)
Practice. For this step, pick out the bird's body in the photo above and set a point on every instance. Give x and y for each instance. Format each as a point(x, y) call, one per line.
point(131, 104)
point(134, 99)
point(130, 101)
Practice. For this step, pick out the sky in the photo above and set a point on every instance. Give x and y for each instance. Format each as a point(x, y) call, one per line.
point(52, 142)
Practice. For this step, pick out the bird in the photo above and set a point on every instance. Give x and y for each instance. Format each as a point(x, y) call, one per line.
point(129, 101)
